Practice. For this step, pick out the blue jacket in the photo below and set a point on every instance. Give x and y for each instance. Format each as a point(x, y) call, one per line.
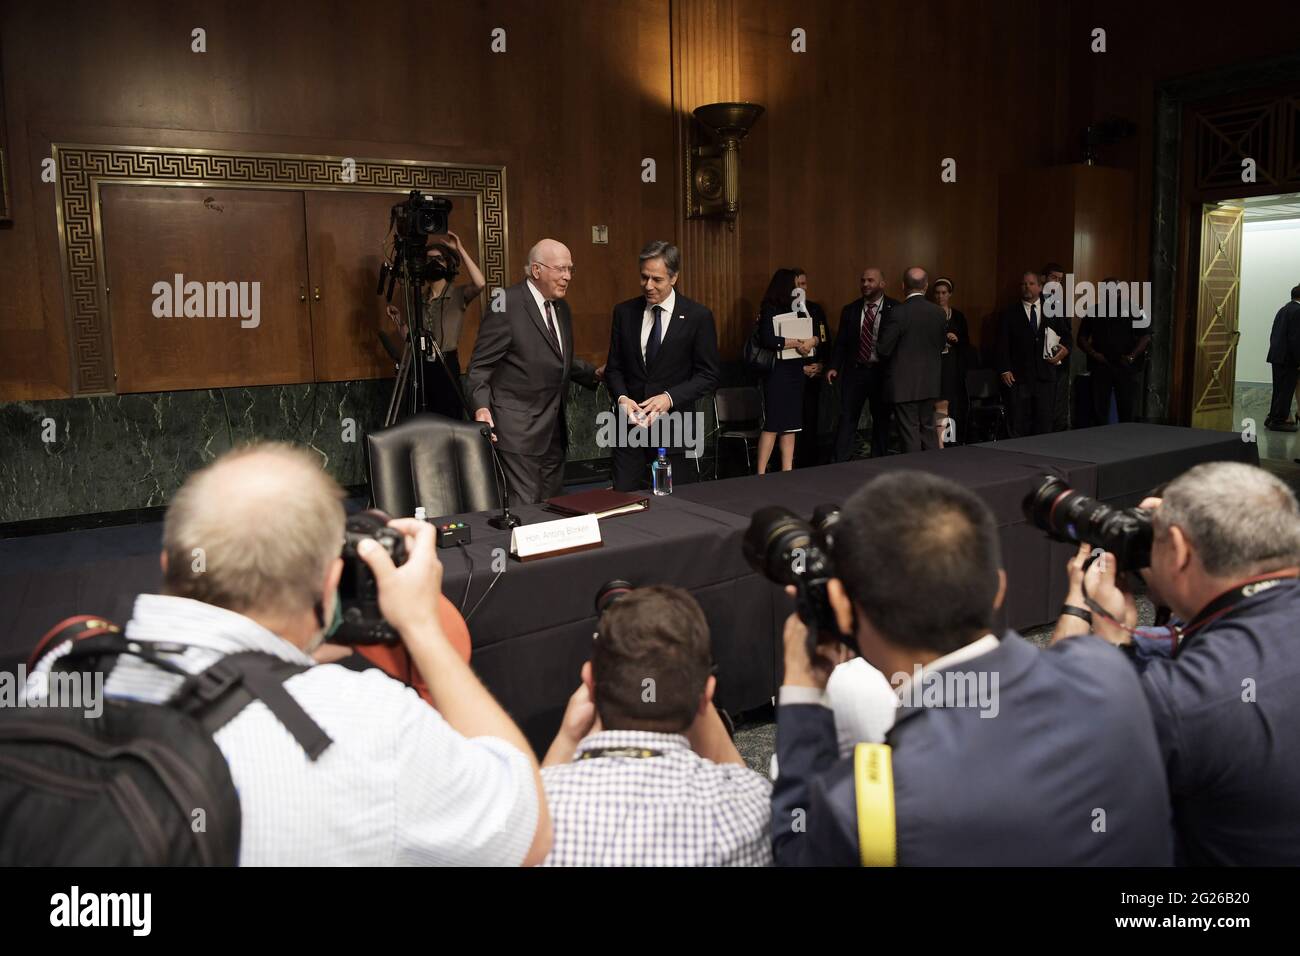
point(1065, 771)
point(1227, 716)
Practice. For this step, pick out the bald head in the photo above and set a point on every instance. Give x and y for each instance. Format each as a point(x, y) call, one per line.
point(550, 266)
point(915, 279)
point(254, 532)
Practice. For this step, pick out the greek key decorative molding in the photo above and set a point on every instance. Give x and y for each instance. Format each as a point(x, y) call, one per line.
point(83, 169)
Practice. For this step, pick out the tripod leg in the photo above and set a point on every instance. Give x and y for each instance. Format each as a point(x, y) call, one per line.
point(399, 388)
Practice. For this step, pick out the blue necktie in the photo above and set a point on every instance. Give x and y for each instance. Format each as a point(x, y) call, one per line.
point(656, 331)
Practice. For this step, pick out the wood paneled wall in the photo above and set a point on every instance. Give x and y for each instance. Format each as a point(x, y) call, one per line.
point(842, 171)
point(580, 96)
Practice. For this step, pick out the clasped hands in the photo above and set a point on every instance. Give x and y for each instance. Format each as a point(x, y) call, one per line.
point(644, 413)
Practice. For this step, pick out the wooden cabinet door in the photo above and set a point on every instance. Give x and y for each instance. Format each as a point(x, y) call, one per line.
point(346, 232)
point(237, 315)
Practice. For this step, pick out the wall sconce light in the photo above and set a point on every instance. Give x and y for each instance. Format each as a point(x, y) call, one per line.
point(713, 169)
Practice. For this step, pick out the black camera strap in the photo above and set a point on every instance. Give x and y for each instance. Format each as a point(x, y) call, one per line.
point(1229, 600)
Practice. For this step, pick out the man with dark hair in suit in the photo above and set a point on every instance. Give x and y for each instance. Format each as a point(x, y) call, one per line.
point(1030, 377)
point(1055, 272)
point(1001, 754)
point(663, 355)
point(855, 359)
point(911, 344)
point(1284, 356)
point(519, 374)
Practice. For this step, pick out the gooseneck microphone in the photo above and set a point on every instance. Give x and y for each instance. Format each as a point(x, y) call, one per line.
point(505, 519)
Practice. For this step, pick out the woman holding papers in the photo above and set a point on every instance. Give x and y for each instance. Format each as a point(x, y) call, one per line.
point(785, 326)
point(957, 340)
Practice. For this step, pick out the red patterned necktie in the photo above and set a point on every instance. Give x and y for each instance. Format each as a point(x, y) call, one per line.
point(868, 340)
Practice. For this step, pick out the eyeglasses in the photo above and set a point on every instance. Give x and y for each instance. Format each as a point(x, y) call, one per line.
point(563, 270)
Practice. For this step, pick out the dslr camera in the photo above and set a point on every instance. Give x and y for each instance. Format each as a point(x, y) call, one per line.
point(358, 592)
point(1066, 515)
point(786, 549)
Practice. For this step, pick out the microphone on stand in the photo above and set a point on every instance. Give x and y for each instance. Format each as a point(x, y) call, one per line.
point(505, 519)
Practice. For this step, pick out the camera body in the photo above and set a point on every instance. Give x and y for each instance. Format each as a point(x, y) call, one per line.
point(363, 623)
point(421, 215)
point(788, 550)
point(1066, 515)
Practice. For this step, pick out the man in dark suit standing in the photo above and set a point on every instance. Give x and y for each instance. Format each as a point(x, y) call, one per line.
point(855, 360)
point(518, 377)
point(663, 356)
point(1284, 356)
point(1029, 376)
point(911, 346)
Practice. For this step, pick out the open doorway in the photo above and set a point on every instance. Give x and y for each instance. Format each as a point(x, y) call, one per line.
point(1270, 269)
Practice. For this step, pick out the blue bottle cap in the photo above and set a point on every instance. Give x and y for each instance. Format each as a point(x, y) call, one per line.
point(663, 451)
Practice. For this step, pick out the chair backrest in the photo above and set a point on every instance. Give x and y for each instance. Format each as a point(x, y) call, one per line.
point(441, 463)
point(738, 406)
point(983, 383)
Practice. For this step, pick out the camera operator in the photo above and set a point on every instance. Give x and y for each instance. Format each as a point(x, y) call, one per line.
point(250, 562)
point(643, 771)
point(1059, 765)
point(443, 315)
point(1223, 688)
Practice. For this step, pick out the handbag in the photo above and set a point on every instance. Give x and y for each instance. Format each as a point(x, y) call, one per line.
point(758, 357)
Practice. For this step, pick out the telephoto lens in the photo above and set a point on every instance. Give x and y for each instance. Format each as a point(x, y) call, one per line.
point(1067, 515)
point(786, 549)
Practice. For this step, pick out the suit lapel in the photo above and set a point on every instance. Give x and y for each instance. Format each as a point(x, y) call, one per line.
point(634, 335)
point(536, 315)
point(676, 325)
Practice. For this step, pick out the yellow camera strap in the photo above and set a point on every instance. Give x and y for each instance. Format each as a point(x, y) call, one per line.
point(873, 777)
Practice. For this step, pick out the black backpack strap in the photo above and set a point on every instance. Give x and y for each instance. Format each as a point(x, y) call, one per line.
point(216, 695)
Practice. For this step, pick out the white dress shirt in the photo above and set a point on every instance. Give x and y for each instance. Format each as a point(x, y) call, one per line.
point(648, 320)
point(398, 785)
point(1036, 304)
point(541, 310)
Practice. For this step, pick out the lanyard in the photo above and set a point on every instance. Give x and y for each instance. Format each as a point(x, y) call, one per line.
point(1228, 601)
point(634, 752)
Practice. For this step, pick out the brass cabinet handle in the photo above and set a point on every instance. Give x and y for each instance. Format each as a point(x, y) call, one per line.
point(302, 293)
point(316, 293)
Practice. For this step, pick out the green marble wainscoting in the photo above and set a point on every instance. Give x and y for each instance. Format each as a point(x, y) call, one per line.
point(81, 456)
point(117, 453)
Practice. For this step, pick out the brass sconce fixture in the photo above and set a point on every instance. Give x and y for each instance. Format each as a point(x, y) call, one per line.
point(713, 169)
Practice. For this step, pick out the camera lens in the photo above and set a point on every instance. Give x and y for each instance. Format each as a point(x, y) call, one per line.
point(770, 544)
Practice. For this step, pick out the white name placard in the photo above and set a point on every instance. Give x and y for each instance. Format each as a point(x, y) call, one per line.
point(555, 537)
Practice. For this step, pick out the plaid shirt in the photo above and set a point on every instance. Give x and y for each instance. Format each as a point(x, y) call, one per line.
point(672, 809)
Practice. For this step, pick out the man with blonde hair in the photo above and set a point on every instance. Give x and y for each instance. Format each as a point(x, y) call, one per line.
point(251, 562)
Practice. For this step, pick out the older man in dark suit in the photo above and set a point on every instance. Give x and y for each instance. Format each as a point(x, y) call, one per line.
point(911, 346)
point(1284, 356)
point(518, 377)
point(663, 356)
point(855, 362)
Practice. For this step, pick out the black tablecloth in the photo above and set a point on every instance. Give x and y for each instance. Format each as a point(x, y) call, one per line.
point(1133, 457)
point(534, 630)
point(1035, 577)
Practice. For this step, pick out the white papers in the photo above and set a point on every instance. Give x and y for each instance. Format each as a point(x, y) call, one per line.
point(791, 326)
point(1050, 341)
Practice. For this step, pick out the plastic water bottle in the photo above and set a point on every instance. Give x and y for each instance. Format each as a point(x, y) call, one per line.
point(661, 473)
point(421, 514)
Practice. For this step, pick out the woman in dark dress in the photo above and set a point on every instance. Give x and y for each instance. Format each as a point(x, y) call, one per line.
point(953, 382)
point(807, 450)
point(783, 386)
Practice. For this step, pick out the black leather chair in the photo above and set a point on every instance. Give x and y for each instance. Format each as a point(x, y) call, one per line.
point(440, 463)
